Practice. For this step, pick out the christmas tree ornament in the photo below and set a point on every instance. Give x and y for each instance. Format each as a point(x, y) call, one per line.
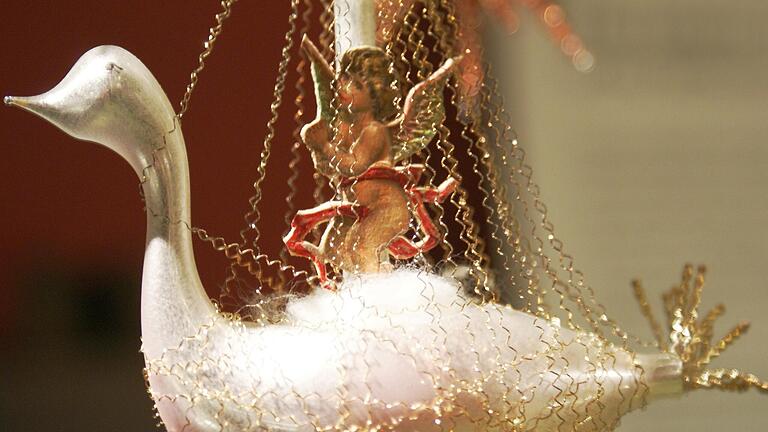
point(424, 289)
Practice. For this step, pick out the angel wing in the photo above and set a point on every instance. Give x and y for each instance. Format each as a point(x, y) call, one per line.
point(423, 113)
point(322, 76)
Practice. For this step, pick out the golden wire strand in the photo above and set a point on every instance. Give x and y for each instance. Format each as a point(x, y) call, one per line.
point(523, 250)
point(237, 256)
point(684, 289)
point(737, 331)
point(706, 328)
point(393, 24)
point(730, 380)
point(296, 147)
point(417, 46)
point(517, 245)
point(504, 209)
point(647, 312)
point(468, 132)
point(208, 45)
point(395, 41)
point(414, 43)
point(511, 227)
point(691, 338)
point(460, 198)
point(332, 38)
point(670, 299)
point(326, 43)
point(253, 216)
point(695, 299)
point(214, 32)
point(327, 35)
point(241, 256)
point(445, 33)
point(438, 30)
point(575, 280)
point(471, 137)
point(245, 257)
point(707, 323)
point(499, 121)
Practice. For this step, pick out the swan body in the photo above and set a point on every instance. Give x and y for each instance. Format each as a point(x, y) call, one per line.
point(399, 351)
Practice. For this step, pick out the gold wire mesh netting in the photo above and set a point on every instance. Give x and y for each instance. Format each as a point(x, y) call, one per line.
point(495, 226)
point(499, 244)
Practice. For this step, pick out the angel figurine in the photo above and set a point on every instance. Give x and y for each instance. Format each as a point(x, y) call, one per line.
point(356, 140)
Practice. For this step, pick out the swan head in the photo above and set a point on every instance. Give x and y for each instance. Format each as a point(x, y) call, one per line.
point(108, 97)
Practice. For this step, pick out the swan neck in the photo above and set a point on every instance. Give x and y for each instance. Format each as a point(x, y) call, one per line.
point(174, 304)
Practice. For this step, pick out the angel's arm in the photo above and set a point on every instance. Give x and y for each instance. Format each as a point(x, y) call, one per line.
point(367, 149)
point(322, 75)
point(315, 136)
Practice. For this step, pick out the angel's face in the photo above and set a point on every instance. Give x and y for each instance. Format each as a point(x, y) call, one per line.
point(353, 94)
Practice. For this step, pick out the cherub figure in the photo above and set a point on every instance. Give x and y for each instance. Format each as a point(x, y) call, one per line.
point(356, 140)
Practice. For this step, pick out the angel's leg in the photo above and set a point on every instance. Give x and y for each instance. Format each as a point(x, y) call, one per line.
point(370, 235)
point(403, 248)
point(306, 220)
point(367, 238)
point(332, 243)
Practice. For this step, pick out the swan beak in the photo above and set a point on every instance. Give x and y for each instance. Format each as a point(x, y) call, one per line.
point(41, 106)
point(31, 104)
point(11, 100)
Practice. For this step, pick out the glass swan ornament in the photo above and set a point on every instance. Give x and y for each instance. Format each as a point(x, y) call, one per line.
point(400, 351)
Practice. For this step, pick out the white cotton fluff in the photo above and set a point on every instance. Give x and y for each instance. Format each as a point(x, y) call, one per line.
point(405, 350)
